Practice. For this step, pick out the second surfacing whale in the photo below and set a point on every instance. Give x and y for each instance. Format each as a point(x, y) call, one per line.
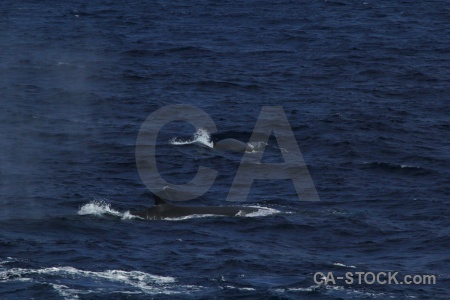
point(232, 145)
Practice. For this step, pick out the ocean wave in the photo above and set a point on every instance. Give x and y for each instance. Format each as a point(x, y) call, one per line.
point(65, 279)
point(342, 265)
point(201, 136)
point(336, 291)
point(397, 167)
point(261, 212)
point(102, 208)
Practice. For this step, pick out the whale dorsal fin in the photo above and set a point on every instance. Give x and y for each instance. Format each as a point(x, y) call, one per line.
point(158, 200)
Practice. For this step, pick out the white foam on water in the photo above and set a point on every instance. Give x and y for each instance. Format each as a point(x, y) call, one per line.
point(337, 291)
point(60, 278)
point(307, 289)
point(127, 216)
point(393, 165)
point(240, 288)
point(68, 293)
point(100, 208)
point(261, 212)
point(342, 265)
point(113, 275)
point(201, 136)
point(8, 260)
point(197, 216)
point(255, 147)
point(258, 145)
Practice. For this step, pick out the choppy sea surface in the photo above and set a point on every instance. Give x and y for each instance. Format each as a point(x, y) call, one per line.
point(364, 84)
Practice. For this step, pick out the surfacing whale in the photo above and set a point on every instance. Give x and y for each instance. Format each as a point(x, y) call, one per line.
point(232, 145)
point(163, 209)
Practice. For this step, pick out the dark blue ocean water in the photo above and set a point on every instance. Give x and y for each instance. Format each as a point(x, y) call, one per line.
point(364, 84)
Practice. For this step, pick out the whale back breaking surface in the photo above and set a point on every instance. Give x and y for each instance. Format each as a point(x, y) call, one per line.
point(163, 209)
point(231, 145)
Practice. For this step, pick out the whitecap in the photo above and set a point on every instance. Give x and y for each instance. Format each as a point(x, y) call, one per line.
point(261, 212)
point(98, 208)
point(128, 216)
point(339, 291)
point(196, 216)
point(342, 265)
point(66, 292)
point(61, 279)
point(201, 136)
